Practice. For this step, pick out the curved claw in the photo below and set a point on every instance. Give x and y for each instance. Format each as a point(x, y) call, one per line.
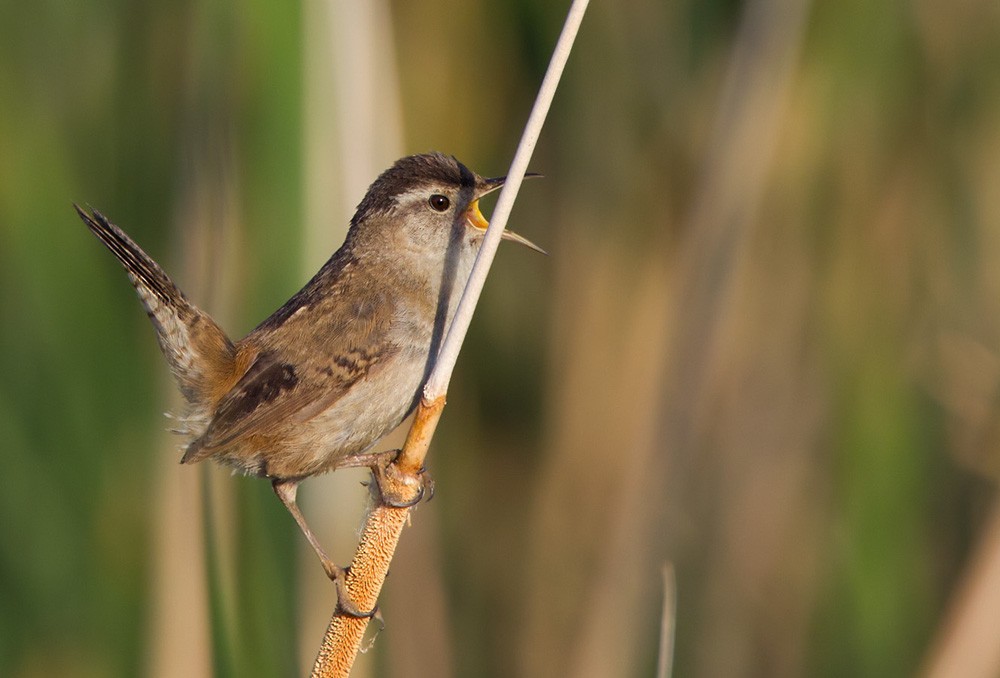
point(345, 605)
point(406, 504)
point(392, 501)
point(381, 470)
point(427, 483)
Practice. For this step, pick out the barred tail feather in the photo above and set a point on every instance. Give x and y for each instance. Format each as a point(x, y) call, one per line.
point(198, 351)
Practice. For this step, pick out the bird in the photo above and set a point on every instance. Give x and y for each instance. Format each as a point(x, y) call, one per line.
point(319, 382)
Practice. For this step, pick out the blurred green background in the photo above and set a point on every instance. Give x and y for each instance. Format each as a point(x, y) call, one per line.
point(764, 347)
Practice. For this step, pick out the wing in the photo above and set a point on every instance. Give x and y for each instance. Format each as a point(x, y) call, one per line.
point(296, 381)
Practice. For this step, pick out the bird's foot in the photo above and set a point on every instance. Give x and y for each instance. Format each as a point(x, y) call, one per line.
point(396, 488)
point(346, 604)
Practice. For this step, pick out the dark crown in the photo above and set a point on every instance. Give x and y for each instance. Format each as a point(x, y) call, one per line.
point(408, 173)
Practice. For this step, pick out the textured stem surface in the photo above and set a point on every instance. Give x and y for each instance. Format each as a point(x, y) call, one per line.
point(364, 582)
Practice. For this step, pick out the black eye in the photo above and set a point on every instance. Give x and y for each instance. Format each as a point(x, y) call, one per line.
point(439, 203)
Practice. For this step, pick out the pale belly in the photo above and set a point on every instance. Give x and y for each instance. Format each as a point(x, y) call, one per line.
point(351, 426)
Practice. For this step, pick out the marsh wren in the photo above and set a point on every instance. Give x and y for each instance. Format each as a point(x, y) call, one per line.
point(318, 383)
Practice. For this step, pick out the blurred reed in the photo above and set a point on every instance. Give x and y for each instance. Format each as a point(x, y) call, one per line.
point(764, 347)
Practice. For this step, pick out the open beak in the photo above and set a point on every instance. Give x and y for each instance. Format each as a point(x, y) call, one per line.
point(476, 219)
point(514, 237)
point(493, 183)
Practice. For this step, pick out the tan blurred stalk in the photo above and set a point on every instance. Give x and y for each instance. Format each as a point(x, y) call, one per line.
point(664, 351)
point(967, 644)
point(668, 623)
point(181, 639)
point(207, 220)
point(749, 409)
point(574, 597)
point(353, 131)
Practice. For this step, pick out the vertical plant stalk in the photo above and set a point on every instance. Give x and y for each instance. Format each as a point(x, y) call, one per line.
point(668, 623)
point(384, 524)
point(966, 643)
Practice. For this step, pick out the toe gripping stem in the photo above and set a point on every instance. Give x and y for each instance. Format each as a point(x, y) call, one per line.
point(397, 489)
point(345, 604)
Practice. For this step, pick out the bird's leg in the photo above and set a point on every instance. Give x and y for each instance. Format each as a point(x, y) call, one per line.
point(396, 489)
point(286, 491)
